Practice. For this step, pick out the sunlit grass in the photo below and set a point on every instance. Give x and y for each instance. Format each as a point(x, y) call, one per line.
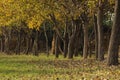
point(26, 67)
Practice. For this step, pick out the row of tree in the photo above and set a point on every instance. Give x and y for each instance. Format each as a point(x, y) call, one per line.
point(69, 27)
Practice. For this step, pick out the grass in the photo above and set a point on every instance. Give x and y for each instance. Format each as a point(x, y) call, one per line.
point(15, 67)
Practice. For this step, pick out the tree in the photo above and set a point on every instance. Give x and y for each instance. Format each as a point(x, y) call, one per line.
point(100, 30)
point(96, 36)
point(114, 39)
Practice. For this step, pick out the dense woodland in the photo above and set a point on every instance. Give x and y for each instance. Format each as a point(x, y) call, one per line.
point(87, 28)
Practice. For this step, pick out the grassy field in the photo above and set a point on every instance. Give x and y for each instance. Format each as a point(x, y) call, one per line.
point(30, 67)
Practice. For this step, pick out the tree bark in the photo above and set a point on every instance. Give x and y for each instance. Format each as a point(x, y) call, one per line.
point(35, 44)
point(78, 40)
point(18, 43)
point(53, 44)
point(114, 39)
point(56, 46)
point(71, 40)
point(66, 40)
point(70, 47)
point(85, 49)
point(46, 39)
point(7, 35)
point(2, 43)
point(100, 31)
point(96, 36)
point(27, 45)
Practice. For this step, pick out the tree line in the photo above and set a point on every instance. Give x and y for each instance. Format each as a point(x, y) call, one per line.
point(67, 27)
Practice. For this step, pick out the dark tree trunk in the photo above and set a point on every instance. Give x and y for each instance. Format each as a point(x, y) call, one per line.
point(7, 35)
point(6, 44)
point(2, 44)
point(90, 49)
point(18, 43)
point(78, 39)
point(96, 36)
point(114, 39)
point(65, 41)
point(31, 43)
point(100, 31)
point(46, 39)
point(56, 46)
point(81, 42)
point(85, 49)
point(70, 47)
point(27, 45)
point(35, 48)
point(35, 44)
point(71, 40)
point(77, 45)
point(53, 44)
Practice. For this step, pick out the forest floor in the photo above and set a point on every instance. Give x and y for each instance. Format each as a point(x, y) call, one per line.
point(22, 67)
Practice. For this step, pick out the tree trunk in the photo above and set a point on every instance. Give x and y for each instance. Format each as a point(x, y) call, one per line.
point(35, 44)
point(7, 40)
point(78, 39)
point(70, 47)
point(2, 45)
point(71, 41)
point(65, 41)
point(100, 31)
point(53, 44)
point(114, 39)
point(56, 46)
point(27, 45)
point(85, 49)
point(31, 43)
point(46, 39)
point(18, 43)
point(6, 44)
point(90, 49)
point(96, 36)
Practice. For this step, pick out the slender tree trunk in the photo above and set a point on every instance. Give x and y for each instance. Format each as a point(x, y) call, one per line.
point(7, 40)
point(46, 38)
point(100, 31)
point(71, 41)
point(65, 41)
point(56, 46)
point(53, 44)
point(2, 44)
point(65, 47)
point(18, 43)
point(90, 49)
point(76, 48)
point(114, 39)
point(96, 36)
point(78, 39)
point(81, 41)
point(6, 44)
point(57, 30)
point(70, 47)
point(31, 43)
point(35, 48)
point(35, 44)
point(85, 49)
point(27, 45)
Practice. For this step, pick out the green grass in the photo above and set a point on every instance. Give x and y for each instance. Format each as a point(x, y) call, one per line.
point(15, 67)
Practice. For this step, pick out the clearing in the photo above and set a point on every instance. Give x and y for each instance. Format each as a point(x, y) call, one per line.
point(28, 67)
